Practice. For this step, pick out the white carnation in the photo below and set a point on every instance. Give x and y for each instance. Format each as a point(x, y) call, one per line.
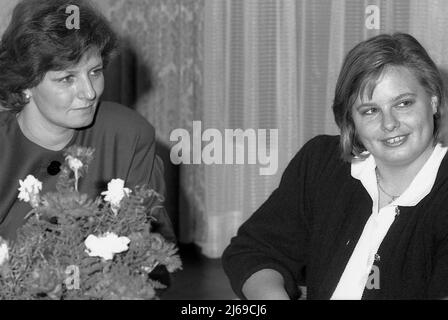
point(29, 190)
point(4, 252)
point(115, 193)
point(106, 246)
point(74, 163)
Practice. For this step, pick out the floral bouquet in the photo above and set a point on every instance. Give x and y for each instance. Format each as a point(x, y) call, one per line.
point(73, 247)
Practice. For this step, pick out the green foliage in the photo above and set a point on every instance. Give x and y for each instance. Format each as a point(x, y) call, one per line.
point(53, 238)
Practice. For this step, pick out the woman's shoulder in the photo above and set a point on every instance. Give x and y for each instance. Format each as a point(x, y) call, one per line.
point(6, 117)
point(320, 156)
point(322, 147)
point(324, 141)
point(7, 123)
point(117, 117)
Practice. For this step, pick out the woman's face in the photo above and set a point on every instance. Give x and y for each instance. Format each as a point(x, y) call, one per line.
point(68, 99)
point(396, 126)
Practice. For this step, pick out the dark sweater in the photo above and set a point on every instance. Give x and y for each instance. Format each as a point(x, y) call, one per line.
point(125, 148)
point(310, 225)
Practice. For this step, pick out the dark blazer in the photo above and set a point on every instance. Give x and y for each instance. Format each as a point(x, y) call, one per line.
point(125, 148)
point(310, 225)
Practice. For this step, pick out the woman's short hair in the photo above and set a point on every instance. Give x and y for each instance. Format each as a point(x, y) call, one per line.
point(38, 40)
point(365, 64)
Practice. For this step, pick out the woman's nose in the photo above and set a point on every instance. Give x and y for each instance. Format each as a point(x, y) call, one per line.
point(86, 91)
point(390, 121)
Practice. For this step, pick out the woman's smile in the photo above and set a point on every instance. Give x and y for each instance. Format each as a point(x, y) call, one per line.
point(395, 141)
point(395, 123)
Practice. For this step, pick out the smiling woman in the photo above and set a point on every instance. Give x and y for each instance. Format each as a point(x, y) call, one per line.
point(362, 215)
point(396, 125)
point(51, 85)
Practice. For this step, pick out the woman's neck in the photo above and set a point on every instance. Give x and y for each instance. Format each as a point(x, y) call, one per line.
point(46, 136)
point(396, 179)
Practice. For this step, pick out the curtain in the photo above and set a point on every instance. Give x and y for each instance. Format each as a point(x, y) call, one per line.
point(274, 64)
point(242, 64)
point(159, 73)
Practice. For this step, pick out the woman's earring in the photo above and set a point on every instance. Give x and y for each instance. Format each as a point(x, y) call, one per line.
point(435, 105)
point(27, 96)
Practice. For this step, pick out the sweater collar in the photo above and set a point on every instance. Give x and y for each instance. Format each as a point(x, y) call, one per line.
point(421, 185)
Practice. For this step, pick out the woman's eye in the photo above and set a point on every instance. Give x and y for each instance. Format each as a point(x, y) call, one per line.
point(68, 79)
point(370, 111)
point(97, 72)
point(404, 104)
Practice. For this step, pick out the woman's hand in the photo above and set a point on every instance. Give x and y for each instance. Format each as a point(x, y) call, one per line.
point(266, 284)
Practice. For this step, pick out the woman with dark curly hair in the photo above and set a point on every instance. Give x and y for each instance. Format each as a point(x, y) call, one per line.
point(363, 215)
point(51, 82)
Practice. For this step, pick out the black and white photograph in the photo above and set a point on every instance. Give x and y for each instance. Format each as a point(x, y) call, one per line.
point(223, 150)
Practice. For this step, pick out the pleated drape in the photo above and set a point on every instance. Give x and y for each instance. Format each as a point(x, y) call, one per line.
point(248, 64)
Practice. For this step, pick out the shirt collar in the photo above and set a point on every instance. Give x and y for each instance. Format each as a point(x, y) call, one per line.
point(364, 170)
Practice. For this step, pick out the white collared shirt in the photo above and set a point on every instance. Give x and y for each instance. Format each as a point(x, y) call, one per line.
point(353, 280)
